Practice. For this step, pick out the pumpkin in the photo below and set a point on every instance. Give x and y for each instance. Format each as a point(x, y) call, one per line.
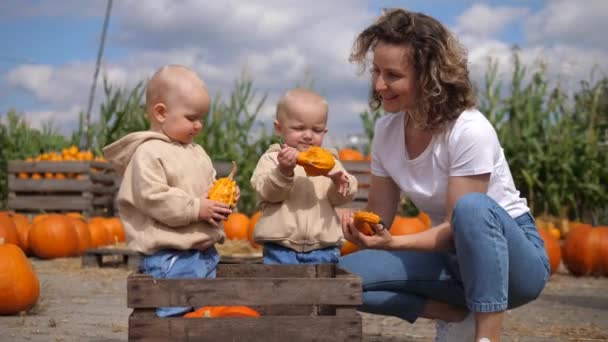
point(84, 235)
point(236, 226)
point(99, 232)
point(407, 225)
point(348, 247)
point(53, 237)
point(224, 189)
point(116, 231)
point(363, 221)
point(23, 227)
point(19, 285)
point(350, 154)
point(223, 311)
point(425, 218)
point(8, 230)
point(552, 248)
point(251, 228)
point(316, 161)
point(586, 250)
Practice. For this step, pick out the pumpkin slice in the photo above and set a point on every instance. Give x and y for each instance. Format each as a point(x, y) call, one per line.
point(316, 161)
point(364, 219)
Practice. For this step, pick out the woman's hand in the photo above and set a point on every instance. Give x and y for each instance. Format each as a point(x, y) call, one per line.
point(382, 239)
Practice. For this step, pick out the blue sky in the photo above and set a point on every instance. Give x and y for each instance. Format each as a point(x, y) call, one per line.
point(49, 46)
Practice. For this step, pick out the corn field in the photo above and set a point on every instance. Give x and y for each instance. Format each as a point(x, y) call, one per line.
point(555, 143)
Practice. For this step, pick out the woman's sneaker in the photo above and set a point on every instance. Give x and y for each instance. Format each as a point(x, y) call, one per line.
point(463, 331)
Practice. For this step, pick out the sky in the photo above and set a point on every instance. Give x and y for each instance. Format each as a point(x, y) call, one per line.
point(49, 47)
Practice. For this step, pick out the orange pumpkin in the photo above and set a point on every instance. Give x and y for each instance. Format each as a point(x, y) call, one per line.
point(116, 231)
point(40, 217)
point(407, 225)
point(552, 247)
point(19, 285)
point(224, 189)
point(53, 237)
point(348, 248)
point(23, 227)
point(252, 222)
point(223, 311)
point(363, 221)
point(350, 154)
point(8, 230)
point(586, 250)
point(99, 232)
point(84, 235)
point(236, 226)
point(316, 161)
point(425, 218)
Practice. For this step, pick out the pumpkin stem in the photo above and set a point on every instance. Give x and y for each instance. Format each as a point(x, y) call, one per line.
point(233, 171)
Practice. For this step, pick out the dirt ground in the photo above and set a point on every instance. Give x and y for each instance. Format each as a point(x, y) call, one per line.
point(89, 304)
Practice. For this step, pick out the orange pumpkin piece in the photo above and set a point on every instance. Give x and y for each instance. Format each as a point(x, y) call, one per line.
point(348, 248)
point(586, 250)
point(53, 237)
point(316, 161)
point(236, 226)
point(19, 285)
point(8, 230)
point(224, 189)
point(363, 221)
point(223, 311)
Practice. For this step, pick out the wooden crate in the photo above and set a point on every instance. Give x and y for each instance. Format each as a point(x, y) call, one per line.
point(297, 302)
point(361, 170)
point(92, 194)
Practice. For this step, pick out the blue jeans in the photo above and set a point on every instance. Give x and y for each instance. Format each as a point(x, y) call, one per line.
point(274, 254)
point(176, 264)
point(499, 263)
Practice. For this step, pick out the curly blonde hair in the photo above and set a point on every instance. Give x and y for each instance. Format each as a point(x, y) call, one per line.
point(440, 62)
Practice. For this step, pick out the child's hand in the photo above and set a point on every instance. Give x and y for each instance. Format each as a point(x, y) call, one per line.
point(340, 179)
point(213, 211)
point(287, 160)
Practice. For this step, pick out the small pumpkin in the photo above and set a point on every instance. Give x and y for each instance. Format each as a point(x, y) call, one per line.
point(100, 235)
point(22, 223)
point(316, 161)
point(236, 226)
point(223, 311)
point(19, 285)
point(403, 225)
point(84, 234)
point(224, 189)
point(53, 237)
point(348, 248)
point(586, 250)
point(116, 231)
point(363, 221)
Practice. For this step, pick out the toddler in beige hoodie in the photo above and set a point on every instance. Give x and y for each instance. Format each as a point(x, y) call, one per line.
point(298, 224)
point(162, 198)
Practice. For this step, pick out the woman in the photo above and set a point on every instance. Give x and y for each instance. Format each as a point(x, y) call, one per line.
point(483, 254)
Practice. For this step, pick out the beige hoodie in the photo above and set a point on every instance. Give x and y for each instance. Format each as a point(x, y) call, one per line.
point(159, 197)
point(297, 212)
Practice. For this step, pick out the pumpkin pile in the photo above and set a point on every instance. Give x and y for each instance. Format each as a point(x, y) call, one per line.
point(71, 153)
point(51, 236)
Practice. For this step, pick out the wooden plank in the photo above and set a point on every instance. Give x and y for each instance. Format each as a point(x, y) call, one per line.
point(49, 166)
point(356, 166)
point(265, 328)
point(146, 293)
point(49, 185)
point(276, 271)
point(49, 203)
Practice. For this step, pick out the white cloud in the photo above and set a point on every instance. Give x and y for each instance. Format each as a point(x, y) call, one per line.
point(570, 22)
point(483, 20)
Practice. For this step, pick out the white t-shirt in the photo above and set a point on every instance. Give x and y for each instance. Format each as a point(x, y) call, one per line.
point(468, 147)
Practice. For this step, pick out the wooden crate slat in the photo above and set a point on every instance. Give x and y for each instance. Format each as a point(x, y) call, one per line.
point(265, 328)
point(356, 166)
point(48, 185)
point(103, 178)
point(148, 292)
point(49, 203)
point(49, 166)
point(102, 165)
point(102, 200)
point(253, 271)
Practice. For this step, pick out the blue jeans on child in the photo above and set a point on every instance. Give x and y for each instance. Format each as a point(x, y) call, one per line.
point(274, 254)
point(498, 263)
point(173, 264)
